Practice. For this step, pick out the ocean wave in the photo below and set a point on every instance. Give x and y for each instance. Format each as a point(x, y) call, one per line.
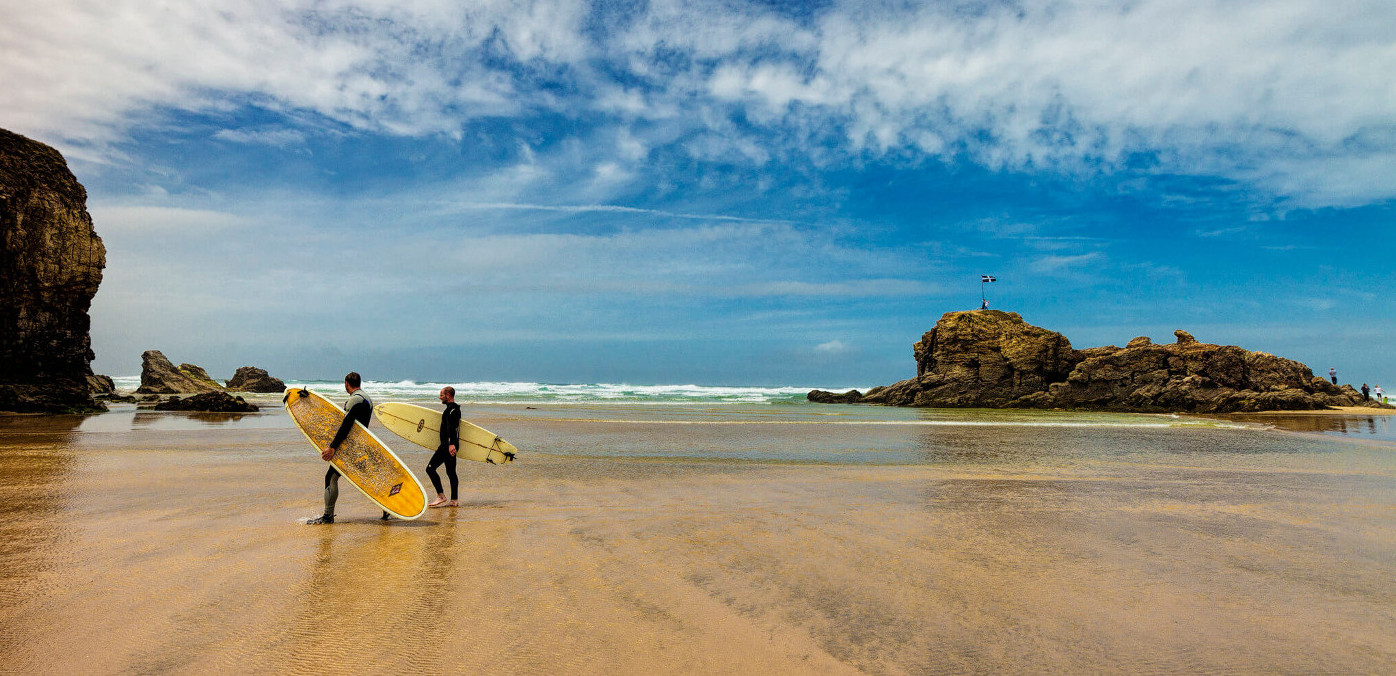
point(515, 392)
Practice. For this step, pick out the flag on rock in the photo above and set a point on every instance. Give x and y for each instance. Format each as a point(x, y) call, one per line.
point(987, 278)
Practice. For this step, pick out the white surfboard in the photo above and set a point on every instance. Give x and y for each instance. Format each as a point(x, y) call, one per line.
point(422, 426)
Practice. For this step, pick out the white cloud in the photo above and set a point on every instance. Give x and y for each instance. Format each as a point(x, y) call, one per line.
point(597, 208)
point(1058, 264)
point(1291, 96)
point(401, 67)
point(831, 347)
point(270, 137)
point(157, 220)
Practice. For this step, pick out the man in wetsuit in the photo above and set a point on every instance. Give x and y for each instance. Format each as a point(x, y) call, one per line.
point(357, 409)
point(446, 452)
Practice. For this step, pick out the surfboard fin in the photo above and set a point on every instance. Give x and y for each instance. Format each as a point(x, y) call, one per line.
point(509, 455)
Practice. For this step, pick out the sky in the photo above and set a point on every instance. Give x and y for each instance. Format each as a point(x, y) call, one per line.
point(740, 193)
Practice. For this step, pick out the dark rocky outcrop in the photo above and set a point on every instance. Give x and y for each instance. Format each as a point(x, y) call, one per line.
point(253, 379)
point(208, 401)
point(51, 263)
point(100, 384)
point(159, 376)
point(822, 397)
point(988, 358)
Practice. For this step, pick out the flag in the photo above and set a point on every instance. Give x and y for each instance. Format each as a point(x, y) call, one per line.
point(987, 278)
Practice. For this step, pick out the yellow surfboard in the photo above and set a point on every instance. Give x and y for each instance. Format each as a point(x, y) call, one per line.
point(422, 426)
point(363, 459)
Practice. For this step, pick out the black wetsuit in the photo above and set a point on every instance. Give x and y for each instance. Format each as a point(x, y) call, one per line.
point(450, 423)
point(358, 409)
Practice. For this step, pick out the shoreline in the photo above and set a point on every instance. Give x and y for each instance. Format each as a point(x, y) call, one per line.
point(273, 399)
point(1335, 411)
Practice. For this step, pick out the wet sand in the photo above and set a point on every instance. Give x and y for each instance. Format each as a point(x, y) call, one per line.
point(1340, 411)
point(170, 543)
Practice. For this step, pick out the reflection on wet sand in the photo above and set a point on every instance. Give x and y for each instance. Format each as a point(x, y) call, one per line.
point(36, 461)
point(1379, 426)
point(637, 548)
point(183, 419)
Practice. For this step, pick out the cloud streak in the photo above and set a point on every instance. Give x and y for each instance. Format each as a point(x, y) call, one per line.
point(598, 208)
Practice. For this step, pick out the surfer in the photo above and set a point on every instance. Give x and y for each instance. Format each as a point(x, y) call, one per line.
point(446, 452)
point(357, 409)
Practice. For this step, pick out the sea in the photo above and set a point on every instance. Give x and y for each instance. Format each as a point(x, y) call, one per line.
point(513, 393)
point(691, 404)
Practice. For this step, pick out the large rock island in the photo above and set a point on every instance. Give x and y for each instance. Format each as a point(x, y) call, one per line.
point(993, 359)
point(51, 263)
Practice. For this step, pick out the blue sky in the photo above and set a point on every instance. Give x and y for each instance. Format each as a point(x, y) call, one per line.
point(719, 193)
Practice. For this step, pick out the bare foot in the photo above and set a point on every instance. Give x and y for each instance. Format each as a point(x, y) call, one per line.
point(439, 502)
point(453, 503)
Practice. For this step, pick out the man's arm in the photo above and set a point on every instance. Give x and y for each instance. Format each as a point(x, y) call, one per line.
point(348, 423)
point(450, 426)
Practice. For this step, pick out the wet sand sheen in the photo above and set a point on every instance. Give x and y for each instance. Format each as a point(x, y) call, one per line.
point(177, 550)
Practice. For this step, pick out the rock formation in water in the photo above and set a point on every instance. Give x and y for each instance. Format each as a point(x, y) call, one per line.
point(253, 379)
point(100, 384)
point(51, 263)
point(208, 401)
point(822, 397)
point(993, 359)
point(159, 376)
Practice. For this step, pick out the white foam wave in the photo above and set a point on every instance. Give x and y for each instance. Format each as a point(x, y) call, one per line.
point(512, 392)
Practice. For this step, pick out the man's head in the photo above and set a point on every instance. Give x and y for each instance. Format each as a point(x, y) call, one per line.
point(352, 381)
point(448, 393)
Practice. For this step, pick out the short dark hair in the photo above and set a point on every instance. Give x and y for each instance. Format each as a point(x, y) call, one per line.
point(352, 380)
point(450, 391)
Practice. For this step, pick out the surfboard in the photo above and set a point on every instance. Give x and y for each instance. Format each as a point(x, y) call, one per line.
point(422, 426)
point(362, 458)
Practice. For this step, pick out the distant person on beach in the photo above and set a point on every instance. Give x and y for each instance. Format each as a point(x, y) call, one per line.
point(1364, 392)
point(446, 452)
point(1380, 398)
point(1333, 375)
point(358, 408)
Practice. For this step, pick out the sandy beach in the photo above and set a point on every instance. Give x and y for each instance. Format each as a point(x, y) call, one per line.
point(636, 542)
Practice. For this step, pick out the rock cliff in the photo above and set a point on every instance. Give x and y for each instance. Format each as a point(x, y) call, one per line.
point(987, 359)
point(992, 359)
point(51, 263)
point(159, 376)
point(253, 379)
